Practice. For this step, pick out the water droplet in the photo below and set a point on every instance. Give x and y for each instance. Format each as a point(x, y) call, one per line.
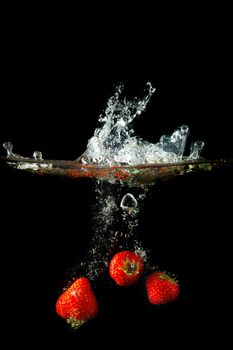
point(151, 88)
point(119, 88)
point(9, 148)
point(37, 155)
point(102, 118)
point(142, 196)
point(196, 149)
point(184, 129)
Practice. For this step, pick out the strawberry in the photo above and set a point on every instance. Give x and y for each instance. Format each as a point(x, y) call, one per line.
point(78, 303)
point(125, 268)
point(161, 288)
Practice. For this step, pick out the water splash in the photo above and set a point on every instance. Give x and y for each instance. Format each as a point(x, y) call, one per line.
point(24, 163)
point(115, 143)
point(9, 148)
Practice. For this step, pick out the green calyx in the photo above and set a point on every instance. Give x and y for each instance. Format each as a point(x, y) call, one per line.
point(164, 276)
point(130, 267)
point(74, 323)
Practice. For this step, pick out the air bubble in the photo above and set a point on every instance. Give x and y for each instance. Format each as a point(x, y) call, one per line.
point(129, 203)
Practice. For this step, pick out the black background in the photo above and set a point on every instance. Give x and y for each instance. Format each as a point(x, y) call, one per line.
point(56, 79)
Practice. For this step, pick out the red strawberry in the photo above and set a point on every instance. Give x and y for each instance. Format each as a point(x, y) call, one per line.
point(125, 268)
point(161, 288)
point(78, 303)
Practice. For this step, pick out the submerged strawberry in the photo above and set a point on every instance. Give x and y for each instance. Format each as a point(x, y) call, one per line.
point(125, 268)
point(161, 288)
point(78, 303)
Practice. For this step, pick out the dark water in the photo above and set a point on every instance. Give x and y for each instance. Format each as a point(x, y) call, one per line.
point(47, 228)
